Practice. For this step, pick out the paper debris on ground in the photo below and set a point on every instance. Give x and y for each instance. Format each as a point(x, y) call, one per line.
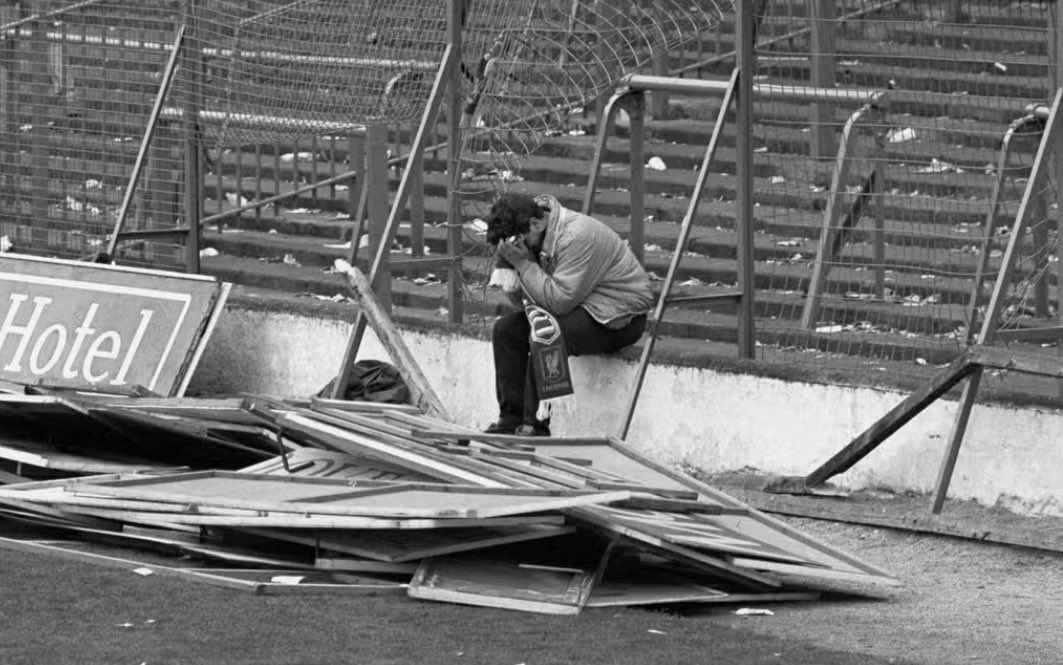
point(754, 612)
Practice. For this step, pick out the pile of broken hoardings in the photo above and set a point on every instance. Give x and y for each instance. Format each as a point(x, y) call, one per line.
point(294, 496)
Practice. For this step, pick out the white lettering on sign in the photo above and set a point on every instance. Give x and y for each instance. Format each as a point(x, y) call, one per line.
point(14, 365)
point(50, 346)
point(80, 339)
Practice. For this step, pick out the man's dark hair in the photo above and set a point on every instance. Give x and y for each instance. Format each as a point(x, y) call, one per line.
point(511, 215)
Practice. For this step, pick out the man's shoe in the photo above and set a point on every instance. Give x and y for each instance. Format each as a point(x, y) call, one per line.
point(502, 427)
point(533, 429)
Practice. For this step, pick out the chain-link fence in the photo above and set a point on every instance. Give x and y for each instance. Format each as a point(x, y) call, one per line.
point(76, 91)
point(881, 221)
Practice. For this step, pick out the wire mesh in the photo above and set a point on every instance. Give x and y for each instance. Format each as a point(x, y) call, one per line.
point(873, 221)
point(77, 84)
point(281, 68)
point(545, 59)
point(282, 87)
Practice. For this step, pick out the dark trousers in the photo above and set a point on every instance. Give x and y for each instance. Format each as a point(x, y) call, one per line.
point(514, 377)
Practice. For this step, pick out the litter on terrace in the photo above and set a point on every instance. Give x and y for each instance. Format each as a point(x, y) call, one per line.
point(318, 495)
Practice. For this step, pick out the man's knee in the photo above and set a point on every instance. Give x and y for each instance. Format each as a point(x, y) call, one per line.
point(509, 329)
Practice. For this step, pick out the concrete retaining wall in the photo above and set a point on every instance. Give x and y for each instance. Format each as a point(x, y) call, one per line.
point(707, 419)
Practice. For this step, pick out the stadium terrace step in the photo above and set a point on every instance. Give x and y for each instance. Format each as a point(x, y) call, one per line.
point(875, 76)
point(947, 248)
point(1002, 61)
point(426, 302)
point(851, 275)
point(971, 175)
point(1027, 37)
point(666, 194)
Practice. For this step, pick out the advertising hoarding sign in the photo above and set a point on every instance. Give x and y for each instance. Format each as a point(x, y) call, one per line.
point(109, 328)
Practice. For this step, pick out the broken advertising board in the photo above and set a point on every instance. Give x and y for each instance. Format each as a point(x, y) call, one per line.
point(112, 328)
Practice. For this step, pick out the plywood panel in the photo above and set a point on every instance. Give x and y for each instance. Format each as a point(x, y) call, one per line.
point(314, 463)
point(634, 591)
point(409, 545)
point(319, 496)
point(478, 580)
point(607, 459)
point(313, 522)
point(716, 533)
point(411, 457)
point(45, 457)
point(754, 534)
point(207, 485)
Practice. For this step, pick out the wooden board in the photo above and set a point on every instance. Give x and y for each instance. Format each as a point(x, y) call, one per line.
point(231, 410)
point(619, 458)
point(640, 537)
point(363, 565)
point(44, 457)
point(297, 521)
point(281, 581)
point(97, 430)
point(505, 584)
point(638, 591)
point(421, 393)
point(58, 497)
point(420, 460)
point(401, 546)
point(32, 513)
point(315, 463)
point(606, 457)
point(89, 324)
point(321, 496)
point(361, 406)
point(51, 411)
point(728, 534)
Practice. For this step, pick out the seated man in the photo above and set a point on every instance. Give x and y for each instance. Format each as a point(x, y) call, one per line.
point(580, 271)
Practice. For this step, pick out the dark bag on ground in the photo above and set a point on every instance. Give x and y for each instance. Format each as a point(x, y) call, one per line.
point(372, 381)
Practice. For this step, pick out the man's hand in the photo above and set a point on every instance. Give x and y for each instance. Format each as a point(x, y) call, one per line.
point(515, 252)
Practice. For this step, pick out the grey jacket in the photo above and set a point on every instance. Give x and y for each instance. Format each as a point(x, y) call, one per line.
point(584, 263)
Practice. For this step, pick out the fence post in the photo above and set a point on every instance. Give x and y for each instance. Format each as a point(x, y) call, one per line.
point(356, 163)
point(34, 105)
point(954, 11)
point(8, 138)
point(821, 14)
point(1055, 81)
point(416, 167)
point(636, 110)
point(377, 187)
point(659, 98)
point(193, 153)
point(454, 103)
point(744, 171)
point(6, 188)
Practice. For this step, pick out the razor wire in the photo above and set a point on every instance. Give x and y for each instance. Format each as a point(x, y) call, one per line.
point(554, 57)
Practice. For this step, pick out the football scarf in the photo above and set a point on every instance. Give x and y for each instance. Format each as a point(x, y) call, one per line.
point(549, 358)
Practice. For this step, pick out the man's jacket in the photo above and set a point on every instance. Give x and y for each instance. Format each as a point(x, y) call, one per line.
point(584, 263)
